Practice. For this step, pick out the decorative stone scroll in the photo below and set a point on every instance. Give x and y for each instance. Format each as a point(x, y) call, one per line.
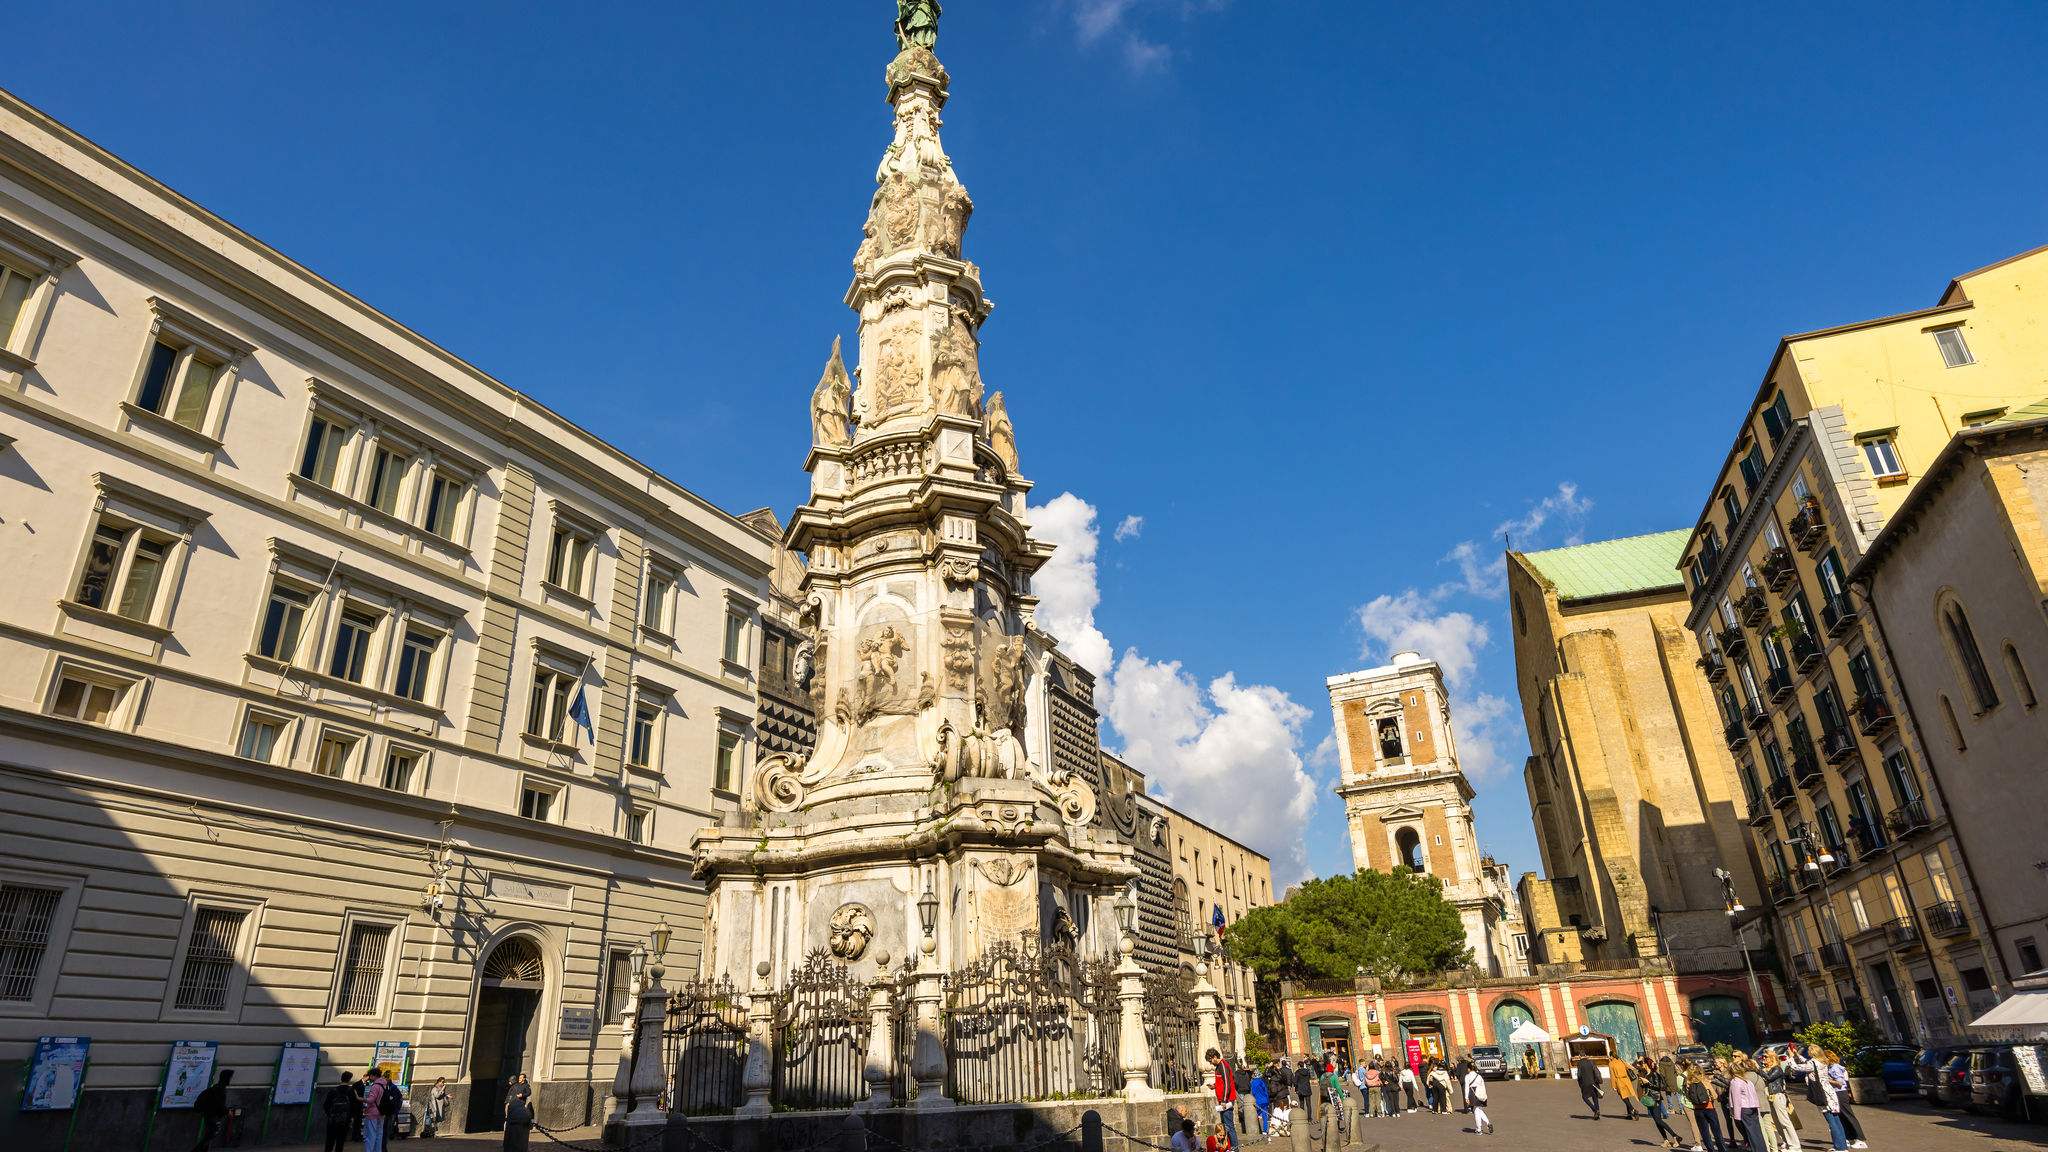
point(778, 783)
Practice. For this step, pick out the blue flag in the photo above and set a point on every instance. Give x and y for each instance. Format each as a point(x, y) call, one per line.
point(580, 713)
point(1216, 918)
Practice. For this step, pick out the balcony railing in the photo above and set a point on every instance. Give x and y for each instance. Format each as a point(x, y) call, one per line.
point(1866, 842)
point(1837, 615)
point(1808, 528)
point(1778, 684)
point(1837, 745)
point(1714, 666)
point(1902, 933)
point(1852, 1008)
point(1736, 732)
point(1805, 650)
point(1756, 716)
point(1806, 767)
point(1759, 812)
point(1907, 819)
point(1781, 889)
point(1804, 965)
point(1873, 713)
point(1782, 793)
point(1838, 860)
point(1753, 608)
point(1778, 569)
point(1733, 643)
point(1946, 919)
point(1834, 955)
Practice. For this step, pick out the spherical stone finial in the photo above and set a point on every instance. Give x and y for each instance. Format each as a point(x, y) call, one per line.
point(882, 959)
point(1126, 946)
point(929, 946)
point(762, 969)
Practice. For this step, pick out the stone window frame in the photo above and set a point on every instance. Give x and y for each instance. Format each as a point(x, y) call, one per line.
point(654, 566)
point(645, 813)
point(422, 766)
point(565, 519)
point(132, 507)
point(387, 982)
point(736, 726)
point(556, 792)
point(558, 660)
point(70, 887)
point(253, 909)
point(661, 698)
point(44, 262)
point(283, 750)
point(129, 688)
point(366, 430)
point(1961, 344)
point(747, 611)
point(194, 338)
point(354, 765)
point(330, 587)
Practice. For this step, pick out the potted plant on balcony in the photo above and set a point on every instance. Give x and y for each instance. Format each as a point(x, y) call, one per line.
point(1856, 1043)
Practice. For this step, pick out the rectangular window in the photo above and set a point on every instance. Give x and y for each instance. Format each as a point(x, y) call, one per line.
point(1900, 775)
point(415, 661)
point(1954, 352)
point(386, 472)
point(1883, 457)
point(127, 559)
point(2029, 954)
point(1772, 540)
point(618, 983)
point(443, 494)
point(282, 621)
point(735, 637)
point(178, 383)
point(259, 738)
point(646, 719)
point(1857, 910)
point(362, 969)
point(728, 761)
point(14, 290)
point(323, 452)
point(85, 700)
point(1778, 418)
point(536, 803)
point(1980, 418)
point(352, 645)
point(569, 561)
point(1894, 896)
point(400, 766)
point(210, 956)
point(1752, 468)
point(654, 602)
point(332, 756)
point(636, 825)
point(25, 918)
point(547, 711)
point(1937, 876)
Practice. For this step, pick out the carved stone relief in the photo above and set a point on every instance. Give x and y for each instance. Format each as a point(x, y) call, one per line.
point(853, 926)
point(956, 377)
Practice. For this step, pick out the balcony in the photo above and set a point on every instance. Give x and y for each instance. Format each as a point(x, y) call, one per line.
point(1852, 1009)
point(1866, 842)
point(1736, 732)
point(1909, 819)
point(1837, 745)
point(1781, 889)
point(1782, 793)
point(1838, 615)
point(1805, 650)
point(1759, 813)
point(1803, 965)
point(1806, 768)
point(1778, 570)
point(1902, 933)
point(1946, 919)
point(1834, 954)
point(1734, 644)
point(1808, 528)
point(1752, 607)
point(1778, 684)
point(1755, 715)
point(1838, 860)
point(1873, 713)
point(1714, 666)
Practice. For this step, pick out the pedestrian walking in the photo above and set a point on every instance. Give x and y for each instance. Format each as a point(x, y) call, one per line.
point(1262, 1103)
point(389, 1106)
point(519, 1120)
point(1409, 1084)
point(339, 1106)
point(212, 1107)
point(437, 1108)
point(373, 1112)
point(1745, 1105)
point(1837, 1078)
point(1475, 1098)
point(1650, 1084)
point(1624, 1086)
point(1305, 1090)
point(1699, 1095)
point(1225, 1089)
point(1588, 1075)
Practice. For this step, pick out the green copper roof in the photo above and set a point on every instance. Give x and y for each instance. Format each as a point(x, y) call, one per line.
point(2034, 411)
point(1610, 567)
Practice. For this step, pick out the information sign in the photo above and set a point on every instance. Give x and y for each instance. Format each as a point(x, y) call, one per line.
point(54, 1073)
point(298, 1066)
point(187, 1073)
point(389, 1057)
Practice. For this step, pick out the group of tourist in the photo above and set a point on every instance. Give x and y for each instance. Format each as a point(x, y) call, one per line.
point(1732, 1103)
point(1302, 1089)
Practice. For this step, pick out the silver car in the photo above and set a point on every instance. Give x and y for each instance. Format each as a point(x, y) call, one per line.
point(1490, 1061)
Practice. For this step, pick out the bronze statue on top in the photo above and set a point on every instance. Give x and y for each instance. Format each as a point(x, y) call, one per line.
point(917, 22)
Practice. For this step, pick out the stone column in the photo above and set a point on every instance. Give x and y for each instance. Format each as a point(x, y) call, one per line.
point(758, 1076)
point(1208, 1011)
point(881, 1038)
point(629, 1041)
point(928, 1051)
point(1134, 1056)
point(650, 1073)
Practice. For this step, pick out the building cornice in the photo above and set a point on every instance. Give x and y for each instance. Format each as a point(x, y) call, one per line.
point(1761, 500)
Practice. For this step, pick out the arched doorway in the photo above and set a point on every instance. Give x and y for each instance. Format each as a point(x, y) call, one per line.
point(1408, 846)
point(1720, 1020)
point(1329, 1038)
point(507, 1031)
point(1509, 1015)
point(1617, 1018)
point(1421, 1035)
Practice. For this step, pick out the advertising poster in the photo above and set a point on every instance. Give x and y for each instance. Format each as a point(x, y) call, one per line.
point(389, 1058)
point(54, 1073)
point(188, 1073)
point(297, 1067)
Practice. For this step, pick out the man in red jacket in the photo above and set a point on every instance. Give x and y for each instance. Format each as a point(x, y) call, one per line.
point(1226, 1093)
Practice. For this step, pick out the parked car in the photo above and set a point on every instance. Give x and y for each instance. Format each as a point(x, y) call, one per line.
point(1952, 1080)
point(1491, 1062)
point(1899, 1078)
point(1995, 1084)
point(1697, 1054)
point(1927, 1072)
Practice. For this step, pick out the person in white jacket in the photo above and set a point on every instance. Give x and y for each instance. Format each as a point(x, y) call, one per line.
point(1475, 1096)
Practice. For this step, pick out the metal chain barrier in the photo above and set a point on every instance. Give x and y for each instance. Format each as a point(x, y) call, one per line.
point(1114, 1130)
point(648, 1142)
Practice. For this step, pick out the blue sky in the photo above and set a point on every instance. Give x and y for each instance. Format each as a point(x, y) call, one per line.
point(1325, 294)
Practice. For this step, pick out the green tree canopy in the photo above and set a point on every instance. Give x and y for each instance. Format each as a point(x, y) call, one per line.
point(1389, 923)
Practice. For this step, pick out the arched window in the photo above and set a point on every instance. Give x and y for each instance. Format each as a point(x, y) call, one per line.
point(1962, 644)
point(1183, 917)
point(1408, 845)
point(1955, 730)
point(2021, 686)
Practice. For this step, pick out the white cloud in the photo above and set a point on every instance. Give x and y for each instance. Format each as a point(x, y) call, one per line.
point(1066, 586)
point(1129, 527)
point(1227, 754)
point(1564, 506)
point(1115, 22)
point(1411, 621)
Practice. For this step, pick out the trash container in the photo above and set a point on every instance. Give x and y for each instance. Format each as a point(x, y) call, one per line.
point(231, 1129)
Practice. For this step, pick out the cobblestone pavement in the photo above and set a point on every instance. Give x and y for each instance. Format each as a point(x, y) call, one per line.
point(1547, 1116)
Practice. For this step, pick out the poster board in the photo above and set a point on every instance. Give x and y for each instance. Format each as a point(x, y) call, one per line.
point(2029, 1058)
point(391, 1057)
point(187, 1073)
point(298, 1066)
point(54, 1073)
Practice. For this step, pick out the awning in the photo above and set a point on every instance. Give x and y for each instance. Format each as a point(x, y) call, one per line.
point(2023, 1010)
point(1528, 1033)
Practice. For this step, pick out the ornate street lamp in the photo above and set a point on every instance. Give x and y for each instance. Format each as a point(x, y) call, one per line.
point(659, 937)
point(928, 909)
point(1202, 945)
point(1127, 909)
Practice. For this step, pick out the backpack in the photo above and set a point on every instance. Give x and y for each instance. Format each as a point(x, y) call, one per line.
point(392, 1101)
point(336, 1106)
point(1243, 1080)
point(1697, 1095)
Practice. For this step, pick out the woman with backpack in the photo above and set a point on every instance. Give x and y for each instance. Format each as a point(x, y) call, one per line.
point(1651, 1083)
point(1706, 1114)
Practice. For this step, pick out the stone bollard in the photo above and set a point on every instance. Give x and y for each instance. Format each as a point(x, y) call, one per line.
point(853, 1134)
point(1091, 1131)
point(1298, 1133)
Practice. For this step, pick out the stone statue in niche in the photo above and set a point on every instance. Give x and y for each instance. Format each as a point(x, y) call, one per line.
point(950, 223)
point(880, 656)
point(956, 381)
point(1001, 436)
point(1003, 694)
point(829, 403)
point(1064, 930)
point(853, 926)
point(801, 664)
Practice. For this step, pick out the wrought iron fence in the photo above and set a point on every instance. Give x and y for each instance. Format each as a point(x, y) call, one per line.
point(821, 1036)
point(1172, 1028)
point(704, 1046)
point(1100, 986)
point(1013, 1024)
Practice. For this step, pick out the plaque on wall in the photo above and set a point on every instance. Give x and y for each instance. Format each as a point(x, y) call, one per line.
point(579, 1023)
